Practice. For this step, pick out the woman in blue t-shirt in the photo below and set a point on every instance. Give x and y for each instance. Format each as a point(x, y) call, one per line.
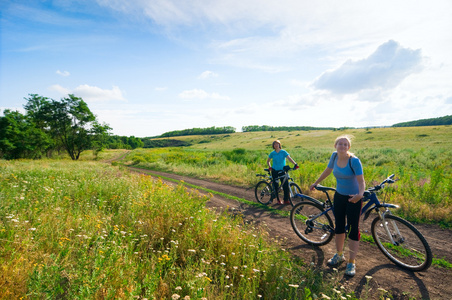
point(278, 157)
point(350, 187)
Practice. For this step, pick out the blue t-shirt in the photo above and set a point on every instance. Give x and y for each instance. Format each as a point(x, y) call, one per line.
point(278, 159)
point(346, 182)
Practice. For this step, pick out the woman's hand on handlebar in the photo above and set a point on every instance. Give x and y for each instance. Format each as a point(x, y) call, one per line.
point(312, 187)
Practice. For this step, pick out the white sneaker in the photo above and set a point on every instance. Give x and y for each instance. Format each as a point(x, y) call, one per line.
point(335, 260)
point(350, 270)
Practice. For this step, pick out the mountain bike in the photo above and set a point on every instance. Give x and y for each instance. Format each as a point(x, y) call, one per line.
point(265, 191)
point(397, 238)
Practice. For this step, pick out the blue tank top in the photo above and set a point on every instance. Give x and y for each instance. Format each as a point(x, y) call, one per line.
point(346, 182)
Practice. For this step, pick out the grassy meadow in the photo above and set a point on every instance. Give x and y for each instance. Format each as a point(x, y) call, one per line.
point(92, 230)
point(89, 230)
point(419, 156)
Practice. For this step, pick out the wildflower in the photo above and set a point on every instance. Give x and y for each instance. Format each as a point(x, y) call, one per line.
point(178, 288)
point(175, 296)
point(294, 285)
point(368, 277)
point(325, 296)
point(32, 229)
point(192, 250)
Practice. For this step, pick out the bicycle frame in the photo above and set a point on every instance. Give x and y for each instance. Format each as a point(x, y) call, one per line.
point(283, 178)
point(373, 200)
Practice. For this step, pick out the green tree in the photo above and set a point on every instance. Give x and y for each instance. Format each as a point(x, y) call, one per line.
point(20, 138)
point(99, 134)
point(69, 122)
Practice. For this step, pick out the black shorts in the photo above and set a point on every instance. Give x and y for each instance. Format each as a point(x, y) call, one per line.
point(347, 211)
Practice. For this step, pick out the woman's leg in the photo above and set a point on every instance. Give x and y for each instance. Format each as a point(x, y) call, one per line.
point(353, 247)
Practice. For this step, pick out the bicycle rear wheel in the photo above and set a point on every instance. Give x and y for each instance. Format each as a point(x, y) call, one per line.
point(310, 224)
point(263, 192)
point(410, 250)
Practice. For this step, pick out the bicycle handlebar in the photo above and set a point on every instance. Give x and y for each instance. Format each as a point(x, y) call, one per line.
point(367, 193)
point(380, 186)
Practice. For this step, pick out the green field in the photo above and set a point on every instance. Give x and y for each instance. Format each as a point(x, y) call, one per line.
point(91, 230)
point(419, 156)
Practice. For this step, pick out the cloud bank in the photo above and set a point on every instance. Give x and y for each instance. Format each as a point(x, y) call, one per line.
point(386, 68)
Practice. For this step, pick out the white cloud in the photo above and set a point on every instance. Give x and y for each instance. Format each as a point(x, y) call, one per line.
point(201, 94)
point(161, 89)
point(383, 69)
point(91, 93)
point(207, 75)
point(63, 73)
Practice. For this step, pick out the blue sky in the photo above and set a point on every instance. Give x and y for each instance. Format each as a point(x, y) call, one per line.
point(147, 67)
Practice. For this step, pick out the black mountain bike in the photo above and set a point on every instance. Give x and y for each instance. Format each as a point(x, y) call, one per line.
point(265, 191)
point(397, 238)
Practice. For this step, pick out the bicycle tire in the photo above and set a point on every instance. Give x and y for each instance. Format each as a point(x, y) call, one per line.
point(295, 189)
point(411, 251)
point(263, 191)
point(314, 232)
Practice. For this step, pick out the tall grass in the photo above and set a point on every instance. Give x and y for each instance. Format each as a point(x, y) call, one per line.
point(424, 189)
point(86, 230)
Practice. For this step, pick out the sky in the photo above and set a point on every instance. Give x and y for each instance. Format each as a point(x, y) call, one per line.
point(146, 67)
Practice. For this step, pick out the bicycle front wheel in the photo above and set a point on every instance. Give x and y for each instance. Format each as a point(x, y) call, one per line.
point(311, 223)
point(402, 243)
point(263, 192)
point(294, 188)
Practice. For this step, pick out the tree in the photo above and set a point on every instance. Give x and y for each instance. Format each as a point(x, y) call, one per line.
point(20, 138)
point(99, 137)
point(69, 122)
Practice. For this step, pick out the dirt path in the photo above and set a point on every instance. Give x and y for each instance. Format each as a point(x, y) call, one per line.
point(435, 283)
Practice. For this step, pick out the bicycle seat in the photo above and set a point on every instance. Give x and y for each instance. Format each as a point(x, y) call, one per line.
point(324, 188)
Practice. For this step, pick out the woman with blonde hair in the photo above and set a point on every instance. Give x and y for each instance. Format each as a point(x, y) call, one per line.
point(278, 157)
point(350, 187)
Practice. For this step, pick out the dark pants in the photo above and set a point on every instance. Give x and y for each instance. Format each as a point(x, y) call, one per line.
point(276, 174)
point(345, 210)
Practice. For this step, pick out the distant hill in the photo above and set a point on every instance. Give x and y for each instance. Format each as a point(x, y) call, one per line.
point(446, 120)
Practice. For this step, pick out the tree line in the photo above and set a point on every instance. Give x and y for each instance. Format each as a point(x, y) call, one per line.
point(282, 128)
point(200, 131)
point(50, 126)
point(446, 120)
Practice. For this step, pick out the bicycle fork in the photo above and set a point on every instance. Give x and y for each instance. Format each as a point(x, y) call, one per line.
point(387, 228)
